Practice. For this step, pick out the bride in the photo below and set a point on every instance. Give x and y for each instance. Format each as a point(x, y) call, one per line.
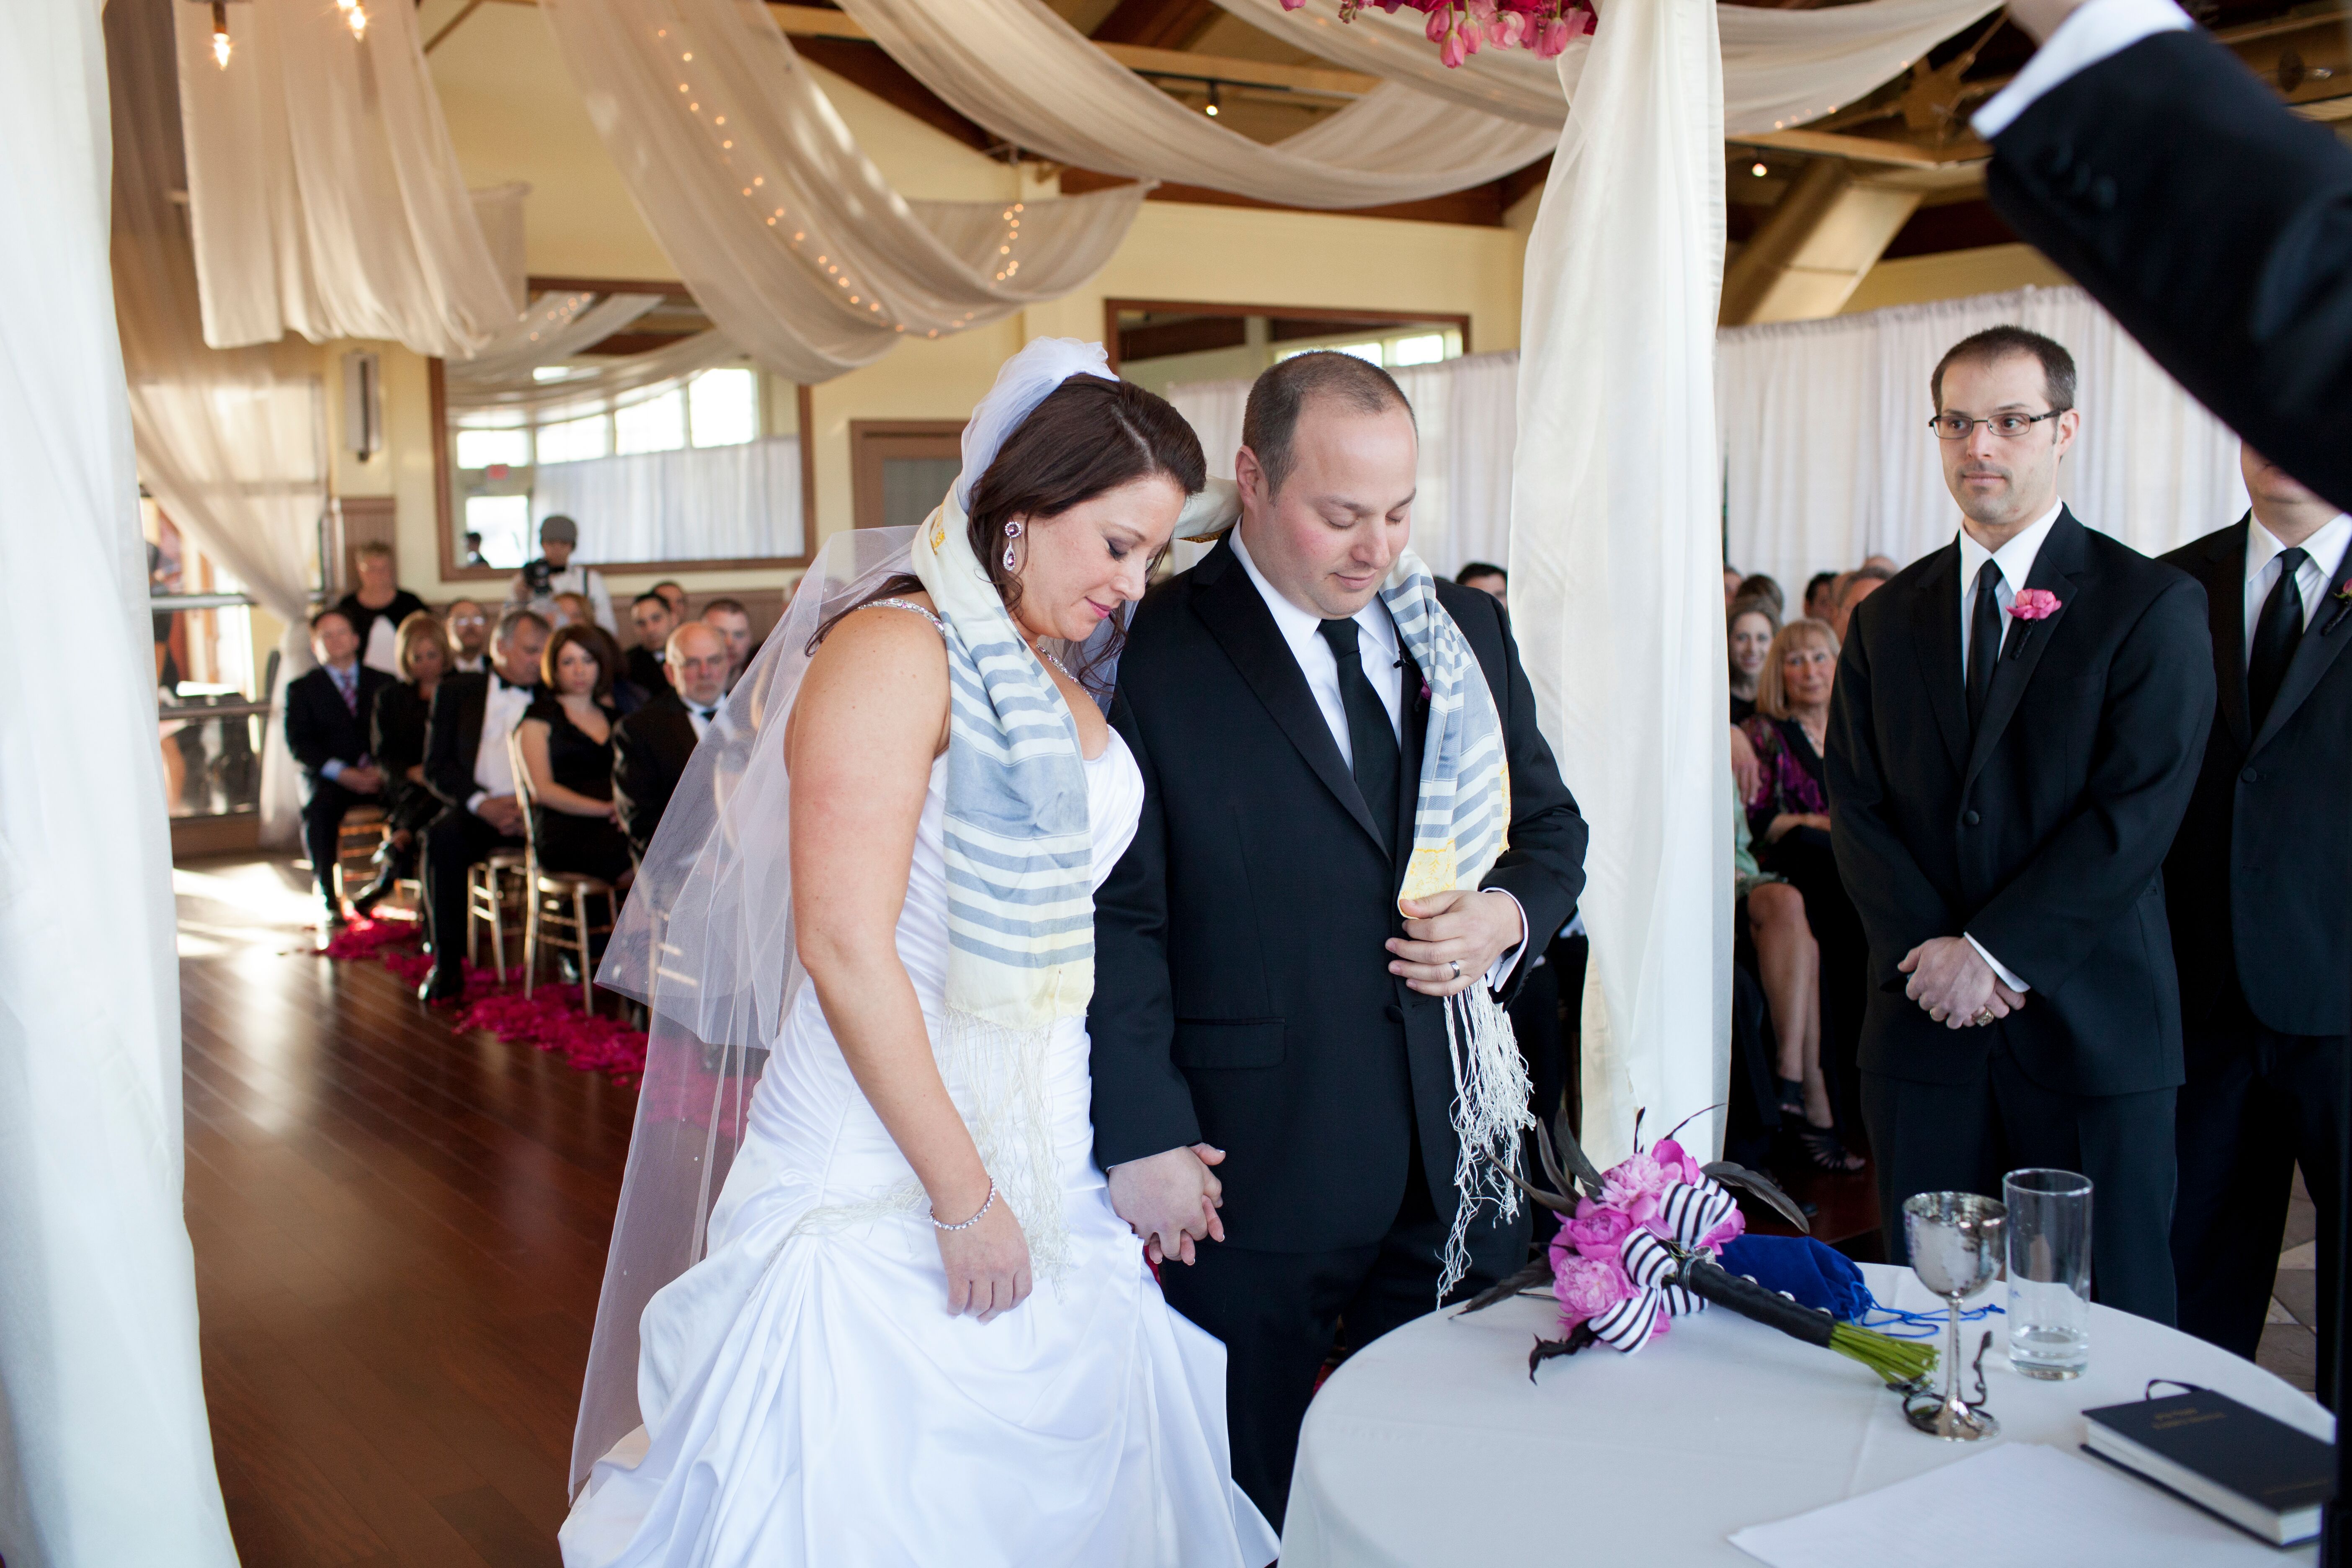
point(913, 1332)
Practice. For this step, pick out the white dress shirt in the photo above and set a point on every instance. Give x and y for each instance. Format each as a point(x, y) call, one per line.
point(2326, 550)
point(2015, 560)
point(1384, 661)
point(462, 665)
point(502, 710)
point(699, 718)
point(2090, 35)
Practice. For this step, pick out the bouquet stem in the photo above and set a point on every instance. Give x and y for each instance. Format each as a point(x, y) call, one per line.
point(1894, 1361)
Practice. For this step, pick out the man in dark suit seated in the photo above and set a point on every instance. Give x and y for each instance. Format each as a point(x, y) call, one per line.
point(2256, 886)
point(650, 747)
point(466, 763)
point(650, 613)
point(2012, 739)
point(327, 714)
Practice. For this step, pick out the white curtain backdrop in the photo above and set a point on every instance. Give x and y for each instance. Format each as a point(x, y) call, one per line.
point(786, 234)
point(323, 189)
point(105, 1454)
point(231, 450)
point(704, 503)
point(1467, 410)
point(1614, 584)
point(1828, 458)
point(1779, 67)
point(1024, 73)
point(555, 327)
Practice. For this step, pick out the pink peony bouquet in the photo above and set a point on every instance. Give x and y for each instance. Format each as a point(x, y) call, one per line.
point(1460, 29)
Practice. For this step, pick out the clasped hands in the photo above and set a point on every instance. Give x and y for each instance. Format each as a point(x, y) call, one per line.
point(1954, 986)
point(1170, 1199)
point(1451, 939)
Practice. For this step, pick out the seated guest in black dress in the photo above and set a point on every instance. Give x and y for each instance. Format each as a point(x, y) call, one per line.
point(1749, 627)
point(650, 747)
point(1788, 815)
point(397, 738)
point(377, 606)
point(654, 620)
point(326, 731)
point(566, 737)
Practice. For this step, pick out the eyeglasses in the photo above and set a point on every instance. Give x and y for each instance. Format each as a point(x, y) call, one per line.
point(2008, 426)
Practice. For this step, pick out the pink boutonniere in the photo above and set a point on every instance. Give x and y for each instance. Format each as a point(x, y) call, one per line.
point(2035, 605)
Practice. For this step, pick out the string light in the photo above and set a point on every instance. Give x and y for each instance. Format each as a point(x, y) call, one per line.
point(220, 35)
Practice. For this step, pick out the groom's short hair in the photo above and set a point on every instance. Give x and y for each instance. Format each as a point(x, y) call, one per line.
point(1280, 394)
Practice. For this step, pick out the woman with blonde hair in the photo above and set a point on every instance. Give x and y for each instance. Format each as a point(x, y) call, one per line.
point(396, 731)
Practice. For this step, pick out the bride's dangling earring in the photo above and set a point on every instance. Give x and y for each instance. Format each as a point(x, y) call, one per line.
point(1011, 532)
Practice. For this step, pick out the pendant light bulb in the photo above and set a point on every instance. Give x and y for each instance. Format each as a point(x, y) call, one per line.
point(357, 17)
point(220, 35)
point(1212, 100)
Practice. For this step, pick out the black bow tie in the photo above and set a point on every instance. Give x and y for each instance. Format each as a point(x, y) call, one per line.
point(705, 714)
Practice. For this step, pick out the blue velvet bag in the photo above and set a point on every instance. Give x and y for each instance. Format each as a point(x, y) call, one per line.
point(1798, 1266)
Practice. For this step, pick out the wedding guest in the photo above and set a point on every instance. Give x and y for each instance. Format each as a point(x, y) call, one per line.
point(396, 735)
point(650, 747)
point(474, 556)
point(468, 766)
point(566, 740)
point(2014, 740)
point(572, 610)
point(1789, 823)
point(469, 636)
point(1487, 578)
point(1821, 597)
point(1886, 563)
point(552, 572)
point(1753, 625)
point(654, 619)
point(1782, 1039)
point(731, 620)
point(1732, 578)
point(1759, 586)
point(326, 728)
point(377, 606)
point(675, 593)
point(2255, 887)
point(1859, 585)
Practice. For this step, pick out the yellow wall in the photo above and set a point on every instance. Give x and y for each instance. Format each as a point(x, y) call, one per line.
point(1953, 275)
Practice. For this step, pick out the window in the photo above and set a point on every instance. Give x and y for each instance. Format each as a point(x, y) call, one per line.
point(1427, 349)
point(482, 448)
point(656, 424)
point(1369, 352)
point(504, 523)
point(573, 441)
point(724, 407)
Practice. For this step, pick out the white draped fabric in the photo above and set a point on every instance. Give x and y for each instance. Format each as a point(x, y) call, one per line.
point(1614, 557)
point(1466, 411)
point(233, 451)
point(1827, 457)
point(702, 503)
point(1779, 67)
point(517, 396)
point(323, 190)
point(786, 234)
point(1024, 73)
point(553, 328)
point(105, 1454)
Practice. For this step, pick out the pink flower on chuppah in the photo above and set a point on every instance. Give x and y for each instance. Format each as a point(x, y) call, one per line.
point(2034, 605)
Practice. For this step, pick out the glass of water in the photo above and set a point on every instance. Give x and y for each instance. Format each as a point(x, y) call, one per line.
point(2049, 1272)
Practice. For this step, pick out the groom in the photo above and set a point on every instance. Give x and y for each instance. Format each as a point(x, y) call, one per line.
point(1256, 989)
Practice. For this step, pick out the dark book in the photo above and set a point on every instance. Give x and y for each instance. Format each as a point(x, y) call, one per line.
point(2261, 1474)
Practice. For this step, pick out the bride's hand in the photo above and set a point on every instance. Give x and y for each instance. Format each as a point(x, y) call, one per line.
point(987, 1264)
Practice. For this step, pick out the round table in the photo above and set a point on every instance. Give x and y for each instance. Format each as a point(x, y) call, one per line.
point(1429, 1446)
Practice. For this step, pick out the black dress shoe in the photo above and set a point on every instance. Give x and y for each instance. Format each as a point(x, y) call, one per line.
point(439, 987)
point(375, 892)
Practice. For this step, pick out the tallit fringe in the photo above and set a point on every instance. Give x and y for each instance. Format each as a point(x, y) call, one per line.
point(1491, 1091)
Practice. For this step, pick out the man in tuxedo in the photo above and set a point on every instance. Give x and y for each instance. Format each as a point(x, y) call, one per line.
point(650, 747)
point(1256, 990)
point(469, 636)
point(327, 714)
point(2256, 888)
point(2014, 737)
point(650, 613)
point(731, 620)
point(2169, 180)
point(468, 765)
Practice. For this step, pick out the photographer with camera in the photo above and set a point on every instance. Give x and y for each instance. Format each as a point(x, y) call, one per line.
point(552, 572)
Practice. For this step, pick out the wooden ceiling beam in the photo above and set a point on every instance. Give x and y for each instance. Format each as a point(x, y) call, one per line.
point(1157, 24)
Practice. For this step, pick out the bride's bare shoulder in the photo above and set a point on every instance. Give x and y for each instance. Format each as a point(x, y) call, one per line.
point(879, 669)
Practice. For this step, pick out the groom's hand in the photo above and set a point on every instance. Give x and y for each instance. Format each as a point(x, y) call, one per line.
point(1170, 1200)
point(1451, 940)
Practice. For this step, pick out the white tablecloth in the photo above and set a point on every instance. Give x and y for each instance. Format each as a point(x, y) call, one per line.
point(1430, 1449)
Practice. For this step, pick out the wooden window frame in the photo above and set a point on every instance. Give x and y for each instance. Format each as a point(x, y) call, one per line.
point(1458, 320)
point(866, 458)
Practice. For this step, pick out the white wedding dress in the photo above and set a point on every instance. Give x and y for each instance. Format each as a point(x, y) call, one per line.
point(807, 1399)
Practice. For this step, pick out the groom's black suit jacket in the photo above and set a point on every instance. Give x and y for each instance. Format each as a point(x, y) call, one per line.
point(1242, 992)
point(2043, 834)
point(2258, 876)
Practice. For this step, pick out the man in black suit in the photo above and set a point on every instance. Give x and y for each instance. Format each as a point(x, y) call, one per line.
point(468, 765)
point(1256, 990)
point(327, 714)
point(2166, 178)
point(2012, 739)
point(650, 747)
point(2256, 885)
point(650, 613)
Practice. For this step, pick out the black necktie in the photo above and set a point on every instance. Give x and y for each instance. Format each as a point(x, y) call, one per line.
point(1371, 738)
point(1984, 640)
point(2276, 631)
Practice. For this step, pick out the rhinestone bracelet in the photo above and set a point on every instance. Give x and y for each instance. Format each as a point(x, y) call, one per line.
point(941, 1225)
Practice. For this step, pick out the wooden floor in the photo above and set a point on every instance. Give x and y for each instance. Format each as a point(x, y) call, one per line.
point(399, 1235)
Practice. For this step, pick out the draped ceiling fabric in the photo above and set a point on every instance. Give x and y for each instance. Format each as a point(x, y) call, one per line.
point(105, 1453)
point(322, 187)
point(1615, 556)
point(1024, 73)
point(233, 452)
point(519, 397)
point(1828, 458)
point(553, 328)
point(1779, 67)
point(788, 237)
